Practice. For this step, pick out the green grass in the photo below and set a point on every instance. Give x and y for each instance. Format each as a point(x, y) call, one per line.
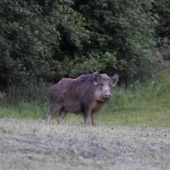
point(37, 145)
point(145, 104)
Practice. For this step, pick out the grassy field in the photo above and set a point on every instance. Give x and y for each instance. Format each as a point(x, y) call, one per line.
point(132, 132)
point(140, 105)
point(35, 145)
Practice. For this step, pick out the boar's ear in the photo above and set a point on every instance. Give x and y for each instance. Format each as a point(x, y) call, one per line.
point(114, 80)
point(97, 78)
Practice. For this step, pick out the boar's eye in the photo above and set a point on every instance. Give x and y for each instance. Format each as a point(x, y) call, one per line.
point(101, 84)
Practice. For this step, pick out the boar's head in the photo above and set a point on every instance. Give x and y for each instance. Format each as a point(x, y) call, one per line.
point(104, 83)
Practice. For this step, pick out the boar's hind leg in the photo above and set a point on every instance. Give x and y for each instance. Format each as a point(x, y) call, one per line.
point(61, 116)
point(94, 116)
point(48, 116)
point(50, 113)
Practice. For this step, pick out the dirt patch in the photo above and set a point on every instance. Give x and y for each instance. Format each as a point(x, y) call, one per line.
point(29, 144)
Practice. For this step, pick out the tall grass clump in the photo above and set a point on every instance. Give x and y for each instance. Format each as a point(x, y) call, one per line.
point(29, 101)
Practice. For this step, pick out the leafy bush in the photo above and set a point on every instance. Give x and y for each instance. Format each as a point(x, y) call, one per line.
point(31, 39)
point(121, 34)
point(53, 39)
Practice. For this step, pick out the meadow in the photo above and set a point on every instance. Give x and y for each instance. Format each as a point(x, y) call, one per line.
point(132, 131)
point(35, 145)
point(141, 104)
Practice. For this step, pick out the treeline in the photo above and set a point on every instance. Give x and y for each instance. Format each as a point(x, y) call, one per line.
point(51, 39)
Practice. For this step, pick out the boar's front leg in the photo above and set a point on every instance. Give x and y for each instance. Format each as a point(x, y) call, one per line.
point(87, 117)
point(94, 116)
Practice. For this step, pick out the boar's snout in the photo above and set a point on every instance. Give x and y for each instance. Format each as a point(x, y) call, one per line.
point(108, 96)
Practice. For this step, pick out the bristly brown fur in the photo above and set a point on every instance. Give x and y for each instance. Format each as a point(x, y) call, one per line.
point(80, 95)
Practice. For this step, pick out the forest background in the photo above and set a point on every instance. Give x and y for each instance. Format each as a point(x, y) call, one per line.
point(42, 41)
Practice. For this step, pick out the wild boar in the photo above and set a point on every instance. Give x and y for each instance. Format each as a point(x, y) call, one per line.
point(86, 94)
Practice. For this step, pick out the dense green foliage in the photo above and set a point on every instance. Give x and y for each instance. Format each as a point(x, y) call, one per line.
point(161, 9)
point(53, 39)
point(30, 39)
point(121, 34)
